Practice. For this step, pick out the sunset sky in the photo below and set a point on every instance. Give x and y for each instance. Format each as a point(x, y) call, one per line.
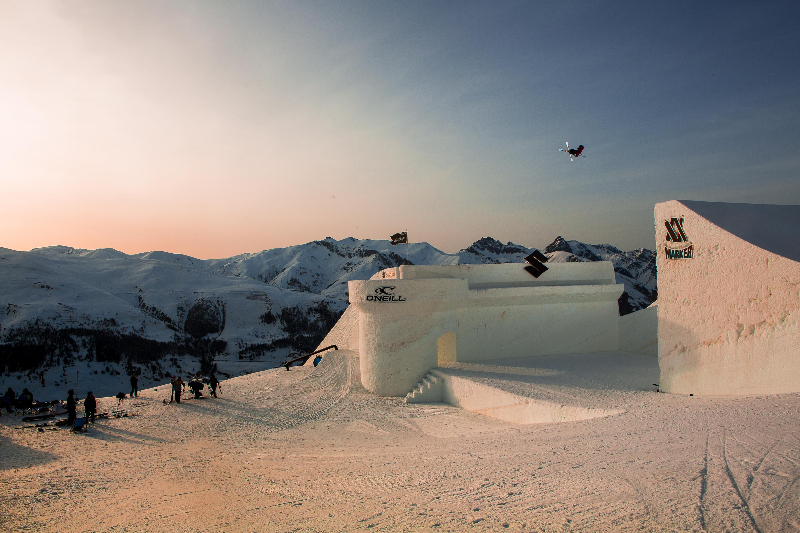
point(218, 128)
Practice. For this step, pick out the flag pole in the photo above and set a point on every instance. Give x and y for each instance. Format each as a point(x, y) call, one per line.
point(406, 245)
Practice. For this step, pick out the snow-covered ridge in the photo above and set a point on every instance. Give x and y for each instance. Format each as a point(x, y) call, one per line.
point(159, 312)
point(635, 269)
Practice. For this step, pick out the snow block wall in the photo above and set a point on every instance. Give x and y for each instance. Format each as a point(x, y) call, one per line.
point(638, 332)
point(729, 298)
point(414, 318)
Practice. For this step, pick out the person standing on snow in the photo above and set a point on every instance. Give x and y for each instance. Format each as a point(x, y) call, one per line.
point(71, 408)
point(90, 407)
point(134, 386)
point(177, 383)
point(213, 383)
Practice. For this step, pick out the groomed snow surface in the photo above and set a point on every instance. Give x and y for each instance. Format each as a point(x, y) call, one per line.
point(310, 450)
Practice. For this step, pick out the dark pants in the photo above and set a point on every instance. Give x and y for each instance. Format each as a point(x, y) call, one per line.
point(71, 418)
point(134, 391)
point(178, 395)
point(90, 414)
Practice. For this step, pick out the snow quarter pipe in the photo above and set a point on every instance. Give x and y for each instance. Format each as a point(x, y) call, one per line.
point(729, 298)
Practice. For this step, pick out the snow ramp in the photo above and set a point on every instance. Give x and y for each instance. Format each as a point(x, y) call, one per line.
point(729, 297)
point(344, 334)
point(542, 389)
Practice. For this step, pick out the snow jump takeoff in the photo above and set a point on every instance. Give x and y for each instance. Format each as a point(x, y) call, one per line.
point(573, 152)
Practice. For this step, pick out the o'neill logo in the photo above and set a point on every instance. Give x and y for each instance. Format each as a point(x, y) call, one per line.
point(678, 245)
point(385, 294)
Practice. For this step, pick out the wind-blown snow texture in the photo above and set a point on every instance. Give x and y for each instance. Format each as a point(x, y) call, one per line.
point(109, 313)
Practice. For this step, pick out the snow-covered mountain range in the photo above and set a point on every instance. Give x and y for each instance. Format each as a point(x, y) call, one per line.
point(635, 269)
point(103, 313)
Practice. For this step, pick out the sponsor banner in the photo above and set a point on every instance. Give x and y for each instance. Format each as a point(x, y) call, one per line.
point(679, 253)
point(678, 245)
point(536, 263)
point(385, 294)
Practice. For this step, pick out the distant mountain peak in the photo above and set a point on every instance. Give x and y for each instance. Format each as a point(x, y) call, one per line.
point(493, 246)
point(58, 248)
point(558, 245)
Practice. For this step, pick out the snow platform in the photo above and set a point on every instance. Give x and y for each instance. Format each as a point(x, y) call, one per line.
point(542, 389)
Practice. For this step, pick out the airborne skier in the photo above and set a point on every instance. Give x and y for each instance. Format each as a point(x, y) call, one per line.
point(573, 152)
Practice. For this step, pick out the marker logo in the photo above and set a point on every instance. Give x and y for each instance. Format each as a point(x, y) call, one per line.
point(675, 231)
point(677, 245)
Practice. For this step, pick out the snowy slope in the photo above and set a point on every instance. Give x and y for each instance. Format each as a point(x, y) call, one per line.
point(108, 312)
point(157, 313)
point(324, 267)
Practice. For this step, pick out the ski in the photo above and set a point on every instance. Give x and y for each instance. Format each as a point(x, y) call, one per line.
point(38, 417)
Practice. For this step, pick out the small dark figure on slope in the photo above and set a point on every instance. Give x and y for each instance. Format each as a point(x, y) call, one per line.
point(71, 408)
point(90, 407)
point(213, 383)
point(134, 386)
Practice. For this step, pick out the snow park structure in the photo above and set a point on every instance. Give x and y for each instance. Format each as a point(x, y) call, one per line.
point(729, 298)
point(412, 319)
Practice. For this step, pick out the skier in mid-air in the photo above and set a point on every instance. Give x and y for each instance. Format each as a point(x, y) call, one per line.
point(576, 151)
point(573, 152)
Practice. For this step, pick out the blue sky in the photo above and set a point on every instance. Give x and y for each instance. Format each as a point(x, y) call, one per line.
point(217, 128)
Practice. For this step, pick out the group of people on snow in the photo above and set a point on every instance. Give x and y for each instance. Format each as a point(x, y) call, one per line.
point(89, 408)
point(196, 385)
point(11, 401)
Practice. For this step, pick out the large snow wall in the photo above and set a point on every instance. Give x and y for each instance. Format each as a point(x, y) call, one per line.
point(414, 318)
point(729, 297)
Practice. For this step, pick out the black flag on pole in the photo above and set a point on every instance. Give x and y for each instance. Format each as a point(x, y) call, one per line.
point(400, 238)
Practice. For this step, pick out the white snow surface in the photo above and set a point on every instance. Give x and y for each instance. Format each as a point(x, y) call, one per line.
point(309, 450)
point(148, 295)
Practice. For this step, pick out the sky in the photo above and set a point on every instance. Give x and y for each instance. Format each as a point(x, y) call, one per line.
point(214, 128)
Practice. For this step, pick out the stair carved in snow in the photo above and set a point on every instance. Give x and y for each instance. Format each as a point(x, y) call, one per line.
point(429, 390)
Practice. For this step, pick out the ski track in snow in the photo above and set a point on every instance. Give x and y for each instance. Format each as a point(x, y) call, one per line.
point(310, 450)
